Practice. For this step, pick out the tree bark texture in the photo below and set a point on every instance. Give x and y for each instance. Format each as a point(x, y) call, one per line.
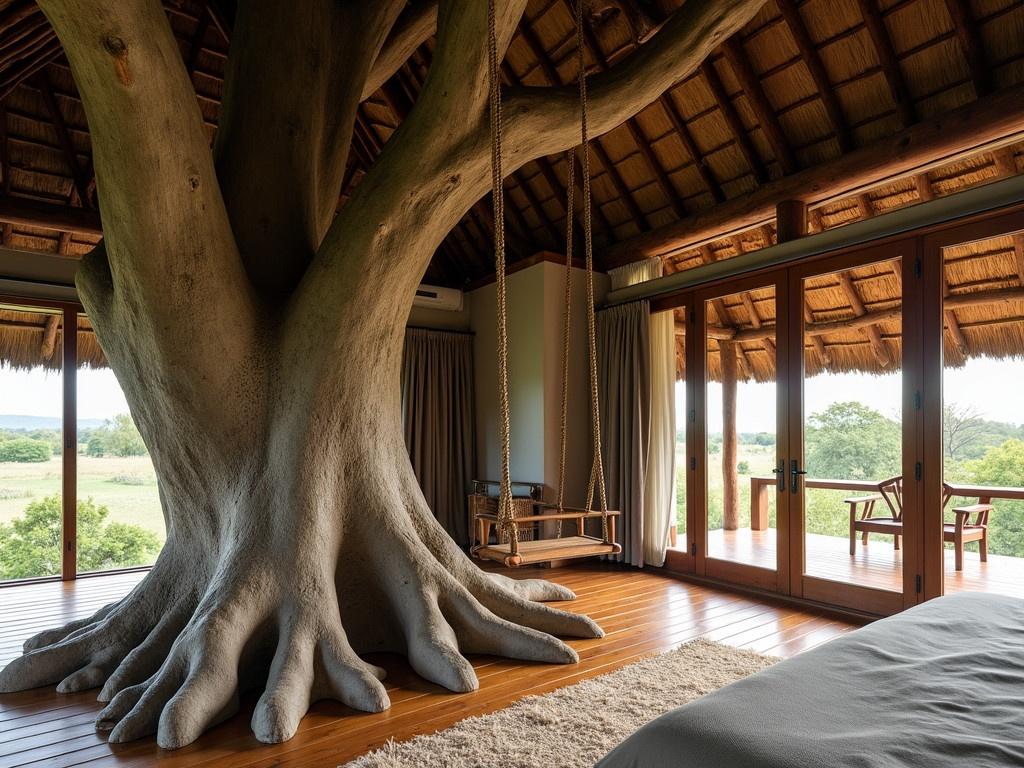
point(257, 336)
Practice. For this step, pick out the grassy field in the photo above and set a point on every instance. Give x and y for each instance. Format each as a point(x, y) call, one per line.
point(759, 461)
point(126, 486)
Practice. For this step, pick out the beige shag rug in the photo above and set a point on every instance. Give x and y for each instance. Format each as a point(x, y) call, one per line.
point(577, 725)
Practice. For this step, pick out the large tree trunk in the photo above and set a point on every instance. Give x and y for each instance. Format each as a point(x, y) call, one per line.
point(257, 338)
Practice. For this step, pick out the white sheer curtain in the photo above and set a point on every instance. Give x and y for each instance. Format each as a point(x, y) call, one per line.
point(659, 484)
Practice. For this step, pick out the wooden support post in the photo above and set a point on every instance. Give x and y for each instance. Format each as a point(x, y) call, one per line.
point(790, 220)
point(759, 503)
point(69, 448)
point(730, 476)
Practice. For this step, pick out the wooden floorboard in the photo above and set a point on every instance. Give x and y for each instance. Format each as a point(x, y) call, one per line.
point(642, 612)
point(876, 565)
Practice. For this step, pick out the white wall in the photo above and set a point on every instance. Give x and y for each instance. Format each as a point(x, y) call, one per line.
point(536, 297)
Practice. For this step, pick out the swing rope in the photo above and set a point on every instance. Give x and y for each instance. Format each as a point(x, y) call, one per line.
point(506, 516)
point(597, 467)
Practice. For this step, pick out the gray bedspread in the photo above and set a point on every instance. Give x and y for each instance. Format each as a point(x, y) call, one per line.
point(939, 685)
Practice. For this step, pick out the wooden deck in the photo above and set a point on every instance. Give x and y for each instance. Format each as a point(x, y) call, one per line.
point(877, 565)
point(642, 612)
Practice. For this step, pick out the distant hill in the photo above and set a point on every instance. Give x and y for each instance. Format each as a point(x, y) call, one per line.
point(15, 421)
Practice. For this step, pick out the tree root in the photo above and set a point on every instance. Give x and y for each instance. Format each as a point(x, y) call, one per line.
point(168, 661)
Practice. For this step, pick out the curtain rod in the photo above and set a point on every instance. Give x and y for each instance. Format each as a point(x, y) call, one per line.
point(996, 194)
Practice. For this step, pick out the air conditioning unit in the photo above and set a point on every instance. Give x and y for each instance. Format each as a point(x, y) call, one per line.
point(436, 297)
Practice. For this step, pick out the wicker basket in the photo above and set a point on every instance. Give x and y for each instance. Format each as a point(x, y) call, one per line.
point(484, 500)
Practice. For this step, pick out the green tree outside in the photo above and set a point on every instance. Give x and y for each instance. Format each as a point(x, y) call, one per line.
point(25, 449)
point(30, 546)
point(117, 437)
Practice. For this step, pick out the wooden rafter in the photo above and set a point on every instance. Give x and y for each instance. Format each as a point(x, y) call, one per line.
point(812, 59)
point(636, 132)
point(875, 25)
point(762, 108)
point(79, 182)
point(733, 121)
point(597, 148)
point(970, 43)
point(195, 46)
point(871, 331)
point(722, 313)
point(5, 170)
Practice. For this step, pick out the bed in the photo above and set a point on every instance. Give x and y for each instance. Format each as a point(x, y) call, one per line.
point(941, 684)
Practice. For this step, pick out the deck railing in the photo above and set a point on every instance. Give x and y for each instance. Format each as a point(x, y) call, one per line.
point(760, 488)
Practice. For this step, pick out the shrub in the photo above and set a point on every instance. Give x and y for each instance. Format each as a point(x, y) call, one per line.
point(25, 449)
point(31, 545)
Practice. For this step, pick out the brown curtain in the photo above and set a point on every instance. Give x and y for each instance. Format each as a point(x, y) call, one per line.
point(438, 419)
point(624, 387)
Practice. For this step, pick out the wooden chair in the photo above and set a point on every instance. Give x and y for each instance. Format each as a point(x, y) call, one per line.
point(862, 513)
point(962, 530)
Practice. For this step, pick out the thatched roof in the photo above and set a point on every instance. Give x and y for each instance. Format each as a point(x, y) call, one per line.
point(984, 316)
point(804, 84)
point(31, 337)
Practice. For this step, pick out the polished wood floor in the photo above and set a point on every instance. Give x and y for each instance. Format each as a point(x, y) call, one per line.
point(876, 565)
point(643, 613)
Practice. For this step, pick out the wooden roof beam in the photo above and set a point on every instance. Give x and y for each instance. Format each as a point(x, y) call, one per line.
point(726, 330)
point(871, 330)
point(79, 183)
point(553, 78)
point(762, 108)
point(996, 119)
point(733, 121)
point(26, 212)
point(557, 189)
point(6, 230)
point(812, 59)
point(636, 133)
point(971, 44)
point(875, 25)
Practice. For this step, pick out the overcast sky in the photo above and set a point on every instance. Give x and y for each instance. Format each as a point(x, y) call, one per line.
point(38, 393)
point(995, 388)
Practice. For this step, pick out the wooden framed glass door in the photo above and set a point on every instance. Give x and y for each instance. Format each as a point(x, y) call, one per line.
point(973, 353)
point(739, 434)
point(853, 405)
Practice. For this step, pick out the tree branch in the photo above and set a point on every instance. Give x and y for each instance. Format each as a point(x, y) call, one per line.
point(286, 125)
point(416, 25)
point(171, 283)
point(542, 121)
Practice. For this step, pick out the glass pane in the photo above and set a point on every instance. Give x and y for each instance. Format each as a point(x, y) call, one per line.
point(852, 420)
point(31, 411)
point(983, 415)
point(682, 460)
point(741, 427)
point(120, 523)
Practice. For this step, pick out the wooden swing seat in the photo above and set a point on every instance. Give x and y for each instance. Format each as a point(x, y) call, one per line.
point(546, 550)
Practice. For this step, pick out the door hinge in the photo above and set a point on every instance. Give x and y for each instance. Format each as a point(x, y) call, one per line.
point(693, 316)
point(917, 583)
point(917, 401)
point(693, 462)
point(917, 267)
point(693, 415)
point(917, 471)
point(693, 549)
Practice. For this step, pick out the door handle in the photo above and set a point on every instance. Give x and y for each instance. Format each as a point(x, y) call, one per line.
point(795, 471)
point(780, 475)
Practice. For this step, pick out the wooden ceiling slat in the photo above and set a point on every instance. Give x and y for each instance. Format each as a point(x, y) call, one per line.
point(762, 108)
point(733, 121)
point(79, 183)
point(971, 45)
point(812, 59)
point(879, 35)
